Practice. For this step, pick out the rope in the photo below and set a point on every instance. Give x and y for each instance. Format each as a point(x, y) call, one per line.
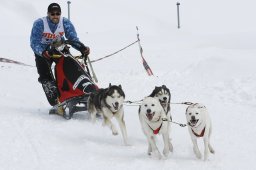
point(139, 102)
point(181, 125)
point(186, 103)
point(6, 60)
point(115, 52)
point(132, 103)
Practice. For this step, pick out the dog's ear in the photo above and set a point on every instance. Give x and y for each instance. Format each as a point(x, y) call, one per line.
point(164, 87)
point(120, 86)
point(109, 85)
point(186, 110)
point(153, 92)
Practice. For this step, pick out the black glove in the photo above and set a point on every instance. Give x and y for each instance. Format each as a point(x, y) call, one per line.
point(86, 51)
point(46, 54)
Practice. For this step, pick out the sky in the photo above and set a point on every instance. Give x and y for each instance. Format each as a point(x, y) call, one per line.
point(210, 60)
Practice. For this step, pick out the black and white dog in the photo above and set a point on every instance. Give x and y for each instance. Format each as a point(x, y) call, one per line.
point(164, 96)
point(109, 103)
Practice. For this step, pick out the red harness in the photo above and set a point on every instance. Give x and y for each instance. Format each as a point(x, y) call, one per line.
point(200, 135)
point(157, 130)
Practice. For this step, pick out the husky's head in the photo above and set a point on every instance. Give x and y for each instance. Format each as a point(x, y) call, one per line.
point(195, 114)
point(164, 96)
point(114, 97)
point(151, 109)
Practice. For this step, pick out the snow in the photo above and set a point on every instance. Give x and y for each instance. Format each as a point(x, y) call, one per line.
point(210, 60)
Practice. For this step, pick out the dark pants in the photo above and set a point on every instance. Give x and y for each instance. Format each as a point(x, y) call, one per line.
point(46, 79)
point(44, 69)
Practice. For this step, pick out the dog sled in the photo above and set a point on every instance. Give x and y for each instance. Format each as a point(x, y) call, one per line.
point(73, 79)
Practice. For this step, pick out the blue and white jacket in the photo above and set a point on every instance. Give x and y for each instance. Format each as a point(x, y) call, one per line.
point(38, 37)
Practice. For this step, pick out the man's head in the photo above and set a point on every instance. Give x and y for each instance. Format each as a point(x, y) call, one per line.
point(54, 12)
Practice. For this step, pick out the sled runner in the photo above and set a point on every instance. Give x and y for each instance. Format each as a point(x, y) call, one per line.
point(74, 83)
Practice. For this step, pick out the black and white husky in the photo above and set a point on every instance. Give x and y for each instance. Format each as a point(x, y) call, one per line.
point(109, 103)
point(164, 96)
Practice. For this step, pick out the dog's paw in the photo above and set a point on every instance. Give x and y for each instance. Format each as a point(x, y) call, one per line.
point(114, 132)
point(93, 118)
point(149, 150)
point(206, 154)
point(156, 155)
point(211, 149)
point(127, 144)
point(166, 152)
point(170, 147)
point(205, 157)
point(197, 153)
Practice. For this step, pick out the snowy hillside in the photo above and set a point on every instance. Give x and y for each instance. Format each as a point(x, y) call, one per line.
point(210, 60)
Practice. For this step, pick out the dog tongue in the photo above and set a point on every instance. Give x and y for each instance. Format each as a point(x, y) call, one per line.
point(150, 116)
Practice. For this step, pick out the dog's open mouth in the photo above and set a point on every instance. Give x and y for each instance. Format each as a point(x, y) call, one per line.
point(115, 106)
point(163, 103)
point(150, 116)
point(193, 122)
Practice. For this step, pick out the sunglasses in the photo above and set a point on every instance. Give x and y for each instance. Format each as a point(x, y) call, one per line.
point(56, 13)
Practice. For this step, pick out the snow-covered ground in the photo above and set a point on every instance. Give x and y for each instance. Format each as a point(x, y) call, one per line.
point(210, 60)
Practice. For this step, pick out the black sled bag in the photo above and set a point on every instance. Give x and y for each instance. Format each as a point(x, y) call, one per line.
point(72, 80)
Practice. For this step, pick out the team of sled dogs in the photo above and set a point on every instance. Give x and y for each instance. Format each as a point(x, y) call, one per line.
point(155, 117)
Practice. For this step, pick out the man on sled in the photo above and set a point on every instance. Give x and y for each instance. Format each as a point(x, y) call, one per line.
point(44, 33)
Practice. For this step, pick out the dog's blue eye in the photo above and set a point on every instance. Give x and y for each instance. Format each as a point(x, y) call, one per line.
point(190, 113)
point(153, 105)
point(145, 105)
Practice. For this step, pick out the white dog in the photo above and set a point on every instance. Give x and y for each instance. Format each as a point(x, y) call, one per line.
point(109, 103)
point(154, 121)
point(199, 125)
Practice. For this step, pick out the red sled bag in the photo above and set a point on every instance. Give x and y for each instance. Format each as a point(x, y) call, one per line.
point(72, 80)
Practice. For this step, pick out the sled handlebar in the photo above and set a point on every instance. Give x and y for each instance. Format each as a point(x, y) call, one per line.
point(57, 48)
point(80, 57)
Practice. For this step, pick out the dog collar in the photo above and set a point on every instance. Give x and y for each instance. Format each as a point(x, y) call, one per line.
point(199, 135)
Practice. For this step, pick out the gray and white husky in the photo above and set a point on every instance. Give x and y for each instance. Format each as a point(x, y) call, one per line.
point(109, 103)
point(164, 96)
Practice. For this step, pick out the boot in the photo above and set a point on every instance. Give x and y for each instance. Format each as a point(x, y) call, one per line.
point(51, 92)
